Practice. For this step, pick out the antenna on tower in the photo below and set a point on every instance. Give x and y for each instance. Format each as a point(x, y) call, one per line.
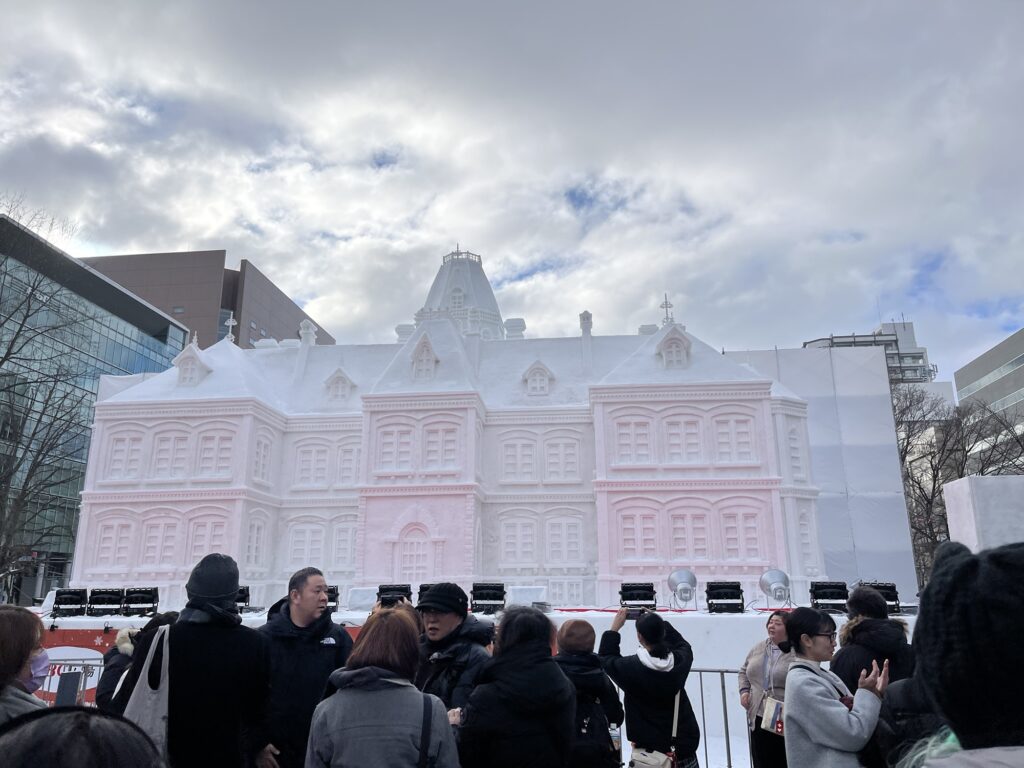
point(230, 323)
point(667, 305)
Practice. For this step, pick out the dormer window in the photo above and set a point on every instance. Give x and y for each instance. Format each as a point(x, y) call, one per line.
point(674, 349)
point(191, 368)
point(339, 386)
point(424, 362)
point(538, 379)
point(457, 300)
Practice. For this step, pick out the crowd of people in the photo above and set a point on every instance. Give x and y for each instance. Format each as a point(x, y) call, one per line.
point(438, 686)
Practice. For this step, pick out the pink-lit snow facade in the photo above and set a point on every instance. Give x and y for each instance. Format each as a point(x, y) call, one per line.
point(464, 452)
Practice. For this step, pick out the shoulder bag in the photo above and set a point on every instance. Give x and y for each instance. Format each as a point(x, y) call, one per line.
point(652, 758)
point(147, 707)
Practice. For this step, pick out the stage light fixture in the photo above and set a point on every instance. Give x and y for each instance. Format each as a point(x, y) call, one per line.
point(829, 596)
point(682, 583)
point(888, 591)
point(106, 601)
point(140, 601)
point(332, 598)
point(391, 594)
point(242, 598)
point(775, 585)
point(70, 602)
point(487, 597)
point(724, 597)
point(636, 597)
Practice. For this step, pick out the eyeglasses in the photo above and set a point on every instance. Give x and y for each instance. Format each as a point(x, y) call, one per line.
point(829, 635)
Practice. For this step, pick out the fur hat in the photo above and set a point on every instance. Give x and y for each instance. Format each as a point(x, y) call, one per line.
point(445, 597)
point(576, 636)
point(215, 577)
point(968, 640)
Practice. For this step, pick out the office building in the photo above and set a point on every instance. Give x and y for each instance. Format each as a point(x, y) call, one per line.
point(69, 325)
point(995, 377)
point(196, 289)
point(906, 362)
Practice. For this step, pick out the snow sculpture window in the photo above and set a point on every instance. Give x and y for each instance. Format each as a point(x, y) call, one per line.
point(413, 555)
point(345, 545)
point(215, 454)
point(170, 455)
point(188, 372)
point(158, 540)
point(339, 386)
point(440, 446)
point(633, 442)
point(689, 535)
point(305, 544)
point(261, 459)
point(518, 541)
point(457, 299)
point(518, 460)
point(348, 464)
point(424, 362)
point(394, 448)
point(538, 379)
point(639, 535)
point(113, 543)
point(796, 455)
point(254, 543)
point(565, 592)
point(563, 537)
point(734, 439)
point(741, 534)
point(561, 461)
point(311, 465)
point(682, 441)
point(673, 354)
point(205, 536)
point(125, 457)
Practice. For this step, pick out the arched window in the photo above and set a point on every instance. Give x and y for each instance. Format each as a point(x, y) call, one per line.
point(345, 544)
point(215, 452)
point(348, 464)
point(188, 372)
point(457, 299)
point(124, 458)
point(564, 539)
point(639, 534)
point(682, 441)
point(311, 465)
point(113, 543)
point(170, 455)
point(159, 538)
point(741, 533)
point(305, 544)
point(413, 555)
point(254, 542)
point(673, 354)
point(633, 441)
point(440, 445)
point(689, 534)
point(734, 439)
point(261, 459)
point(424, 362)
point(518, 541)
point(206, 535)
point(561, 459)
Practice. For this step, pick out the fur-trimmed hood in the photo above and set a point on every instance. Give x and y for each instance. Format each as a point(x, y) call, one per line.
point(125, 641)
point(881, 633)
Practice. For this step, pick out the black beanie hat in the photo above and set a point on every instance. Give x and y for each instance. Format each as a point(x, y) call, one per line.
point(445, 597)
point(215, 577)
point(968, 641)
point(867, 602)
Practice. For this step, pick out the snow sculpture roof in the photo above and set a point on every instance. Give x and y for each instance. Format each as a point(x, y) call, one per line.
point(462, 290)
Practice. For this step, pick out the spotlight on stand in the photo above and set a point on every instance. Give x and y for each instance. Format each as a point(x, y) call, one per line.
point(140, 601)
point(724, 597)
point(422, 591)
point(888, 590)
point(391, 595)
point(775, 585)
point(487, 597)
point(636, 596)
point(242, 599)
point(332, 598)
point(830, 596)
point(105, 602)
point(70, 602)
point(682, 583)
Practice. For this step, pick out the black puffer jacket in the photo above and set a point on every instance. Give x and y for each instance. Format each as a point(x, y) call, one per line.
point(301, 662)
point(520, 713)
point(595, 693)
point(650, 694)
point(864, 640)
point(449, 668)
point(906, 717)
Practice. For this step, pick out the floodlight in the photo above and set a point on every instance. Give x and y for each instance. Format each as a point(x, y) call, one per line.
point(775, 585)
point(391, 594)
point(487, 597)
point(829, 596)
point(724, 597)
point(242, 598)
point(682, 583)
point(637, 596)
point(140, 601)
point(70, 602)
point(332, 598)
point(888, 591)
point(105, 602)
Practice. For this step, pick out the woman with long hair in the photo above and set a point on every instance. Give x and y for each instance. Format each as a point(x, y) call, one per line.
point(522, 709)
point(824, 724)
point(651, 679)
point(376, 716)
point(763, 677)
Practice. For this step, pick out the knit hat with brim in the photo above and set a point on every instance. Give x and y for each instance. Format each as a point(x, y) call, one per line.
point(968, 640)
point(444, 597)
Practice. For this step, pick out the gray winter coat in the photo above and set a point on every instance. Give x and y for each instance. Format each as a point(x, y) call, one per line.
point(374, 720)
point(14, 702)
point(820, 731)
point(994, 757)
point(751, 678)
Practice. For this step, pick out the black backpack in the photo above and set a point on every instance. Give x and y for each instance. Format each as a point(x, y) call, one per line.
point(592, 742)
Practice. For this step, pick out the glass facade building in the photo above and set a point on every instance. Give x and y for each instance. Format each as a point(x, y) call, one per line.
point(62, 326)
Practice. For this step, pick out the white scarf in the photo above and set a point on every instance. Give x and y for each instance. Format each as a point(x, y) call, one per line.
point(658, 665)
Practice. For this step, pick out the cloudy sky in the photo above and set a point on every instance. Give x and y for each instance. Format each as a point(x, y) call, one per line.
point(782, 170)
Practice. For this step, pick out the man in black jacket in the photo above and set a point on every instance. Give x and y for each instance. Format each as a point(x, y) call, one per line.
point(306, 646)
point(870, 635)
point(453, 644)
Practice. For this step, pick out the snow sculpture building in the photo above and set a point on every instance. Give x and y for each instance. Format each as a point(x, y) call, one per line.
point(462, 452)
